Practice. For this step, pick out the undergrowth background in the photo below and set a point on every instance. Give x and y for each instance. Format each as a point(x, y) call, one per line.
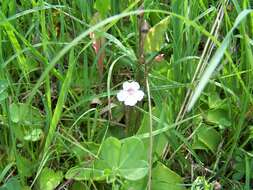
point(63, 62)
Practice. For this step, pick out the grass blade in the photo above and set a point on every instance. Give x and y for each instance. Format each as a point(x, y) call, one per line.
point(215, 61)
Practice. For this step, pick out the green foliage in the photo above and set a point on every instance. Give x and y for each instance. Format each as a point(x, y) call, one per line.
point(200, 183)
point(28, 122)
point(80, 173)
point(207, 138)
point(81, 154)
point(102, 6)
point(61, 100)
point(164, 178)
point(25, 166)
point(34, 135)
point(49, 179)
point(217, 57)
point(117, 159)
point(3, 90)
point(136, 185)
point(159, 141)
point(154, 39)
point(77, 185)
point(57, 112)
point(5, 171)
point(25, 114)
point(218, 116)
point(11, 184)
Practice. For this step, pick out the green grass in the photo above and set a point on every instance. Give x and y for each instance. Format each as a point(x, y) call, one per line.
point(62, 127)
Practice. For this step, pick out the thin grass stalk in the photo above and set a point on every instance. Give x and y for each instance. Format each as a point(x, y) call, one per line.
point(200, 68)
point(150, 150)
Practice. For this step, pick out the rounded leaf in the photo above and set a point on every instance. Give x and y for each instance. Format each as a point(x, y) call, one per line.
point(81, 173)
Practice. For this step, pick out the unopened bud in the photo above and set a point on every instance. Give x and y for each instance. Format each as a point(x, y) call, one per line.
point(145, 27)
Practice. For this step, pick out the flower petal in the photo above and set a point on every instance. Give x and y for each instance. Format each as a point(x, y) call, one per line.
point(139, 94)
point(130, 101)
point(135, 85)
point(126, 85)
point(122, 95)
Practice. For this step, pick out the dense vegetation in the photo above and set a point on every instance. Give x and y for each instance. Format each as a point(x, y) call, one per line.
point(63, 64)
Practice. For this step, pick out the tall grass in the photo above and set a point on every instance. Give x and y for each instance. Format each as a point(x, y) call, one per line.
point(63, 62)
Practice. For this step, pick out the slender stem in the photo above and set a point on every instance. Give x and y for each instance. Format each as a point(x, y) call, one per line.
point(150, 136)
point(141, 39)
point(133, 114)
point(142, 27)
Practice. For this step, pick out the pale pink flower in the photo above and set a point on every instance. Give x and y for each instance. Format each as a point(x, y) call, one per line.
point(130, 94)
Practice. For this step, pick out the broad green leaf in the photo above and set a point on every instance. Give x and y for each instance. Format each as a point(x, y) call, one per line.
point(131, 150)
point(34, 135)
point(163, 179)
point(3, 86)
point(135, 170)
point(25, 114)
point(26, 188)
point(26, 133)
point(15, 113)
point(207, 137)
point(19, 131)
point(25, 166)
point(124, 159)
point(159, 141)
point(11, 184)
point(218, 116)
point(49, 179)
point(135, 185)
point(102, 6)
point(81, 154)
point(77, 185)
point(3, 95)
point(154, 39)
point(110, 151)
point(240, 167)
point(26, 121)
point(198, 145)
point(80, 173)
point(214, 100)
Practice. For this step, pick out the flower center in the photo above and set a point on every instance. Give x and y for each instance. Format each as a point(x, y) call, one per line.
point(130, 91)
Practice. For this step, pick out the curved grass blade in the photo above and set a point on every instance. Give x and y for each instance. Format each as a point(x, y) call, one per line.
point(61, 101)
point(215, 60)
